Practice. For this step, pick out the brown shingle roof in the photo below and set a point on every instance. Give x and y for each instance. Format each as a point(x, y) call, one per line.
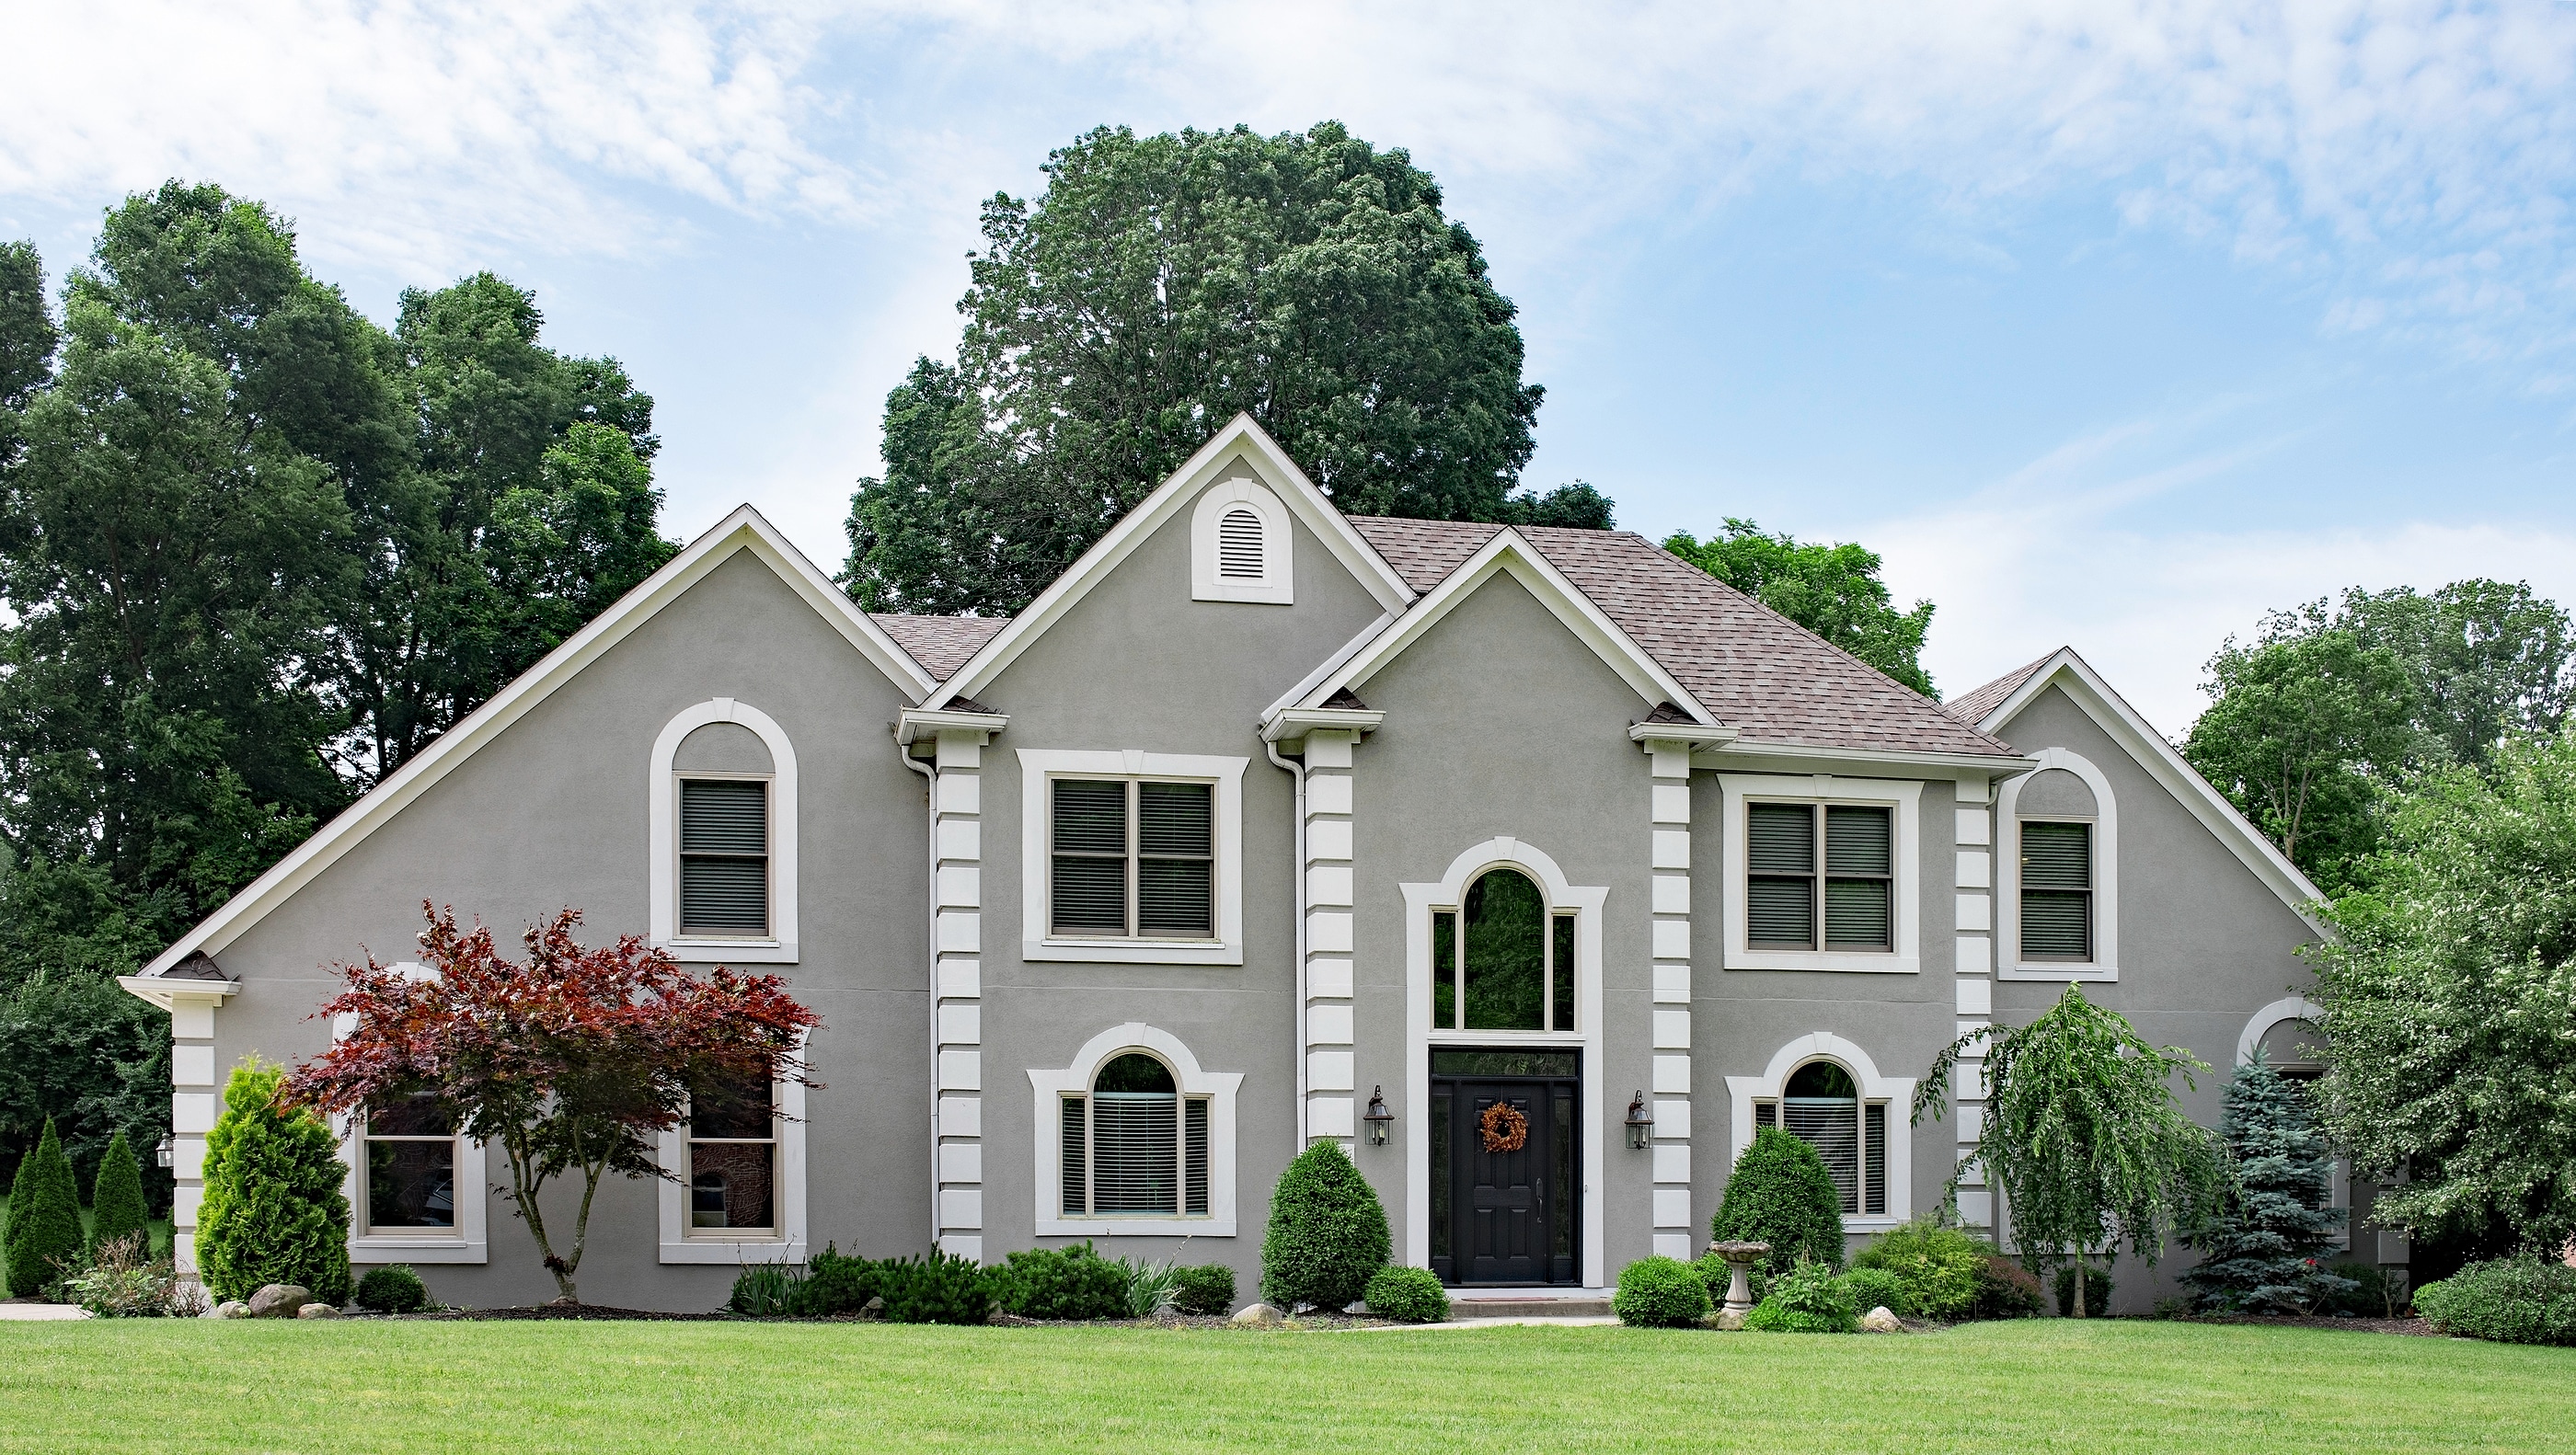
point(1754, 668)
point(941, 644)
point(1974, 707)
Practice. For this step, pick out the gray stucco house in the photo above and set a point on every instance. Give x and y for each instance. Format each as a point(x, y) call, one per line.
point(1541, 855)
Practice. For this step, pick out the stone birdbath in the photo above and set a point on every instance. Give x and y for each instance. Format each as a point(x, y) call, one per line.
point(1740, 1258)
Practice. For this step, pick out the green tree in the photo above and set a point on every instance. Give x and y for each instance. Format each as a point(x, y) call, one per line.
point(2449, 990)
point(2083, 1135)
point(1161, 285)
point(27, 338)
point(116, 1199)
point(2264, 1252)
point(1327, 1234)
point(1780, 1193)
point(2485, 659)
point(1831, 590)
point(274, 1210)
point(77, 1051)
point(44, 1218)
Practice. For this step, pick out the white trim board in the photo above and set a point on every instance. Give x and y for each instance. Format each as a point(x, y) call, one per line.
point(662, 838)
point(743, 531)
point(1240, 438)
point(1049, 1089)
point(2289, 1008)
point(1039, 766)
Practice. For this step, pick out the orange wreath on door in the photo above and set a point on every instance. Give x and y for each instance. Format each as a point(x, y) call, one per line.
point(1503, 1127)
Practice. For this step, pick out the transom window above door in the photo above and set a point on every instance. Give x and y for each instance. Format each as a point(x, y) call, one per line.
point(1132, 858)
point(1819, 876)
point(1503, 960)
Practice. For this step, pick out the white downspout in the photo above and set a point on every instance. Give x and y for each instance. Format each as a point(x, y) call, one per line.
point(930, 777)
point(1297, 874)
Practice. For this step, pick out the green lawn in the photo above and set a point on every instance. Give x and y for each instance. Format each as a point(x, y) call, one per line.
point(2053, 1384)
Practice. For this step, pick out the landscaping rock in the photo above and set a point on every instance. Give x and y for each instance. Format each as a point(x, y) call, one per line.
point(1260, 1316)
point(232, 1308)
point(1880, 1321)
point(279, 1300)
point(1729, 1319)
point(874, 1308)
point(317, 1311)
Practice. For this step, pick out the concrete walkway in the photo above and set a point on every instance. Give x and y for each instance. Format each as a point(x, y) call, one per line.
point(35, 1312)
point(1572, 1323)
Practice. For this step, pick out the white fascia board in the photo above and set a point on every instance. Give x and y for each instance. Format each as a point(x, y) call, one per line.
point(914, 723)
point(163, 992)
point(1510, 551)
point(1287, 723)
point(2112, 713)
point(1240, 436)
point(744, 530)
point(1754, 755)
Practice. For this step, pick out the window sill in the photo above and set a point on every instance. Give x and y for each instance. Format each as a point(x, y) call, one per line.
point(1872, 1222)
point(1837, 961)
point(745, 1251)
point(1171, 1227)
point(1134, 952)
point(416, 1248)
point(2055, 970)
point(732, 952)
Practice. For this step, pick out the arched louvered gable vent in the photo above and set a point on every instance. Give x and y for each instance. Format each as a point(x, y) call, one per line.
point(1240, 548)
point(1238, 545)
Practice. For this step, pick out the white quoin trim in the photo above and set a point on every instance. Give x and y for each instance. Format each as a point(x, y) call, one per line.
point(1896, 1091)
point(2105, 964)
point(662, 845)
point(1277, 584)
point(2289, 1008)
point(1586, 902)
point(1049, 1089)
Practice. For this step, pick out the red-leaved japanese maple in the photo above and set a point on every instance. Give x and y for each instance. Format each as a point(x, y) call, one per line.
point(572, 1061)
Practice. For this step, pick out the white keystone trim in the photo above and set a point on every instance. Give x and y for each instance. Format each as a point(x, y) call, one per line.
point(1586, 901)
point(1049, 1088)
point(787, 1244)
point(2289, 1008)
point(2105, 964)
point(1278, 583)
point(662, 841)
point(1903, 795)
point(1037, 765)
point(1896, 1091)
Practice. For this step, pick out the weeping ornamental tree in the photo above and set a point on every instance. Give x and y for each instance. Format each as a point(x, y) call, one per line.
point(2083, 1136)
point(573, 1062)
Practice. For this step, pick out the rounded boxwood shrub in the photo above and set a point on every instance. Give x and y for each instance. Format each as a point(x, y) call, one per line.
point(116, 1198)
point(2510, 1300)
point(274, 1212)
point(1877, 1288)
point(392, 1290)
point(1206, 1290)
point(2005, 1290)
point(1781, 1194)
point(836, 1283)
point(2097, 1291)
point(1408, 1296)
point(1327, 1233)
point(1061, 1283)
point(1660, 1293)
point(936, 1289)
point(1808, 1299)
point(1939, 1267)
point(44, 1218)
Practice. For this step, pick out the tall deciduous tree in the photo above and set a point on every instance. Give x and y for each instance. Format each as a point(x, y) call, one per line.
point(1831, 590)
point(1161, 285)
point(572, 1061)
point(2083, 1135)
point(2485, 659)
point(2450, 998)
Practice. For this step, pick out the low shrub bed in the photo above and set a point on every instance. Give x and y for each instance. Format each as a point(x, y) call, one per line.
point(1940, 1268)
point(2097, 1291)
point(2508, 1300)
point(1408, 1296)
point(1808, 1299)
point(1660, 1293)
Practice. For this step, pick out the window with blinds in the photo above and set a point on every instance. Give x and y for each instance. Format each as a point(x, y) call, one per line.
point(1853, 879)
point(1133, 858)
point(724, 857)
point(2056, 891)
point(1134, 1146)
point(1821, 1106)
point(1239, 554)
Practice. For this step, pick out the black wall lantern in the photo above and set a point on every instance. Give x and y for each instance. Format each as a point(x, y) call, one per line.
point(1641, 1123)
point(1381, 1122)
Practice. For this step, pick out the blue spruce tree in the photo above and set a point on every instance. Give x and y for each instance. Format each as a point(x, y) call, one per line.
point(2265, 1253)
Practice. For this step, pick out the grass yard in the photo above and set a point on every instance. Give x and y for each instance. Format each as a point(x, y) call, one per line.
point(199, 1385)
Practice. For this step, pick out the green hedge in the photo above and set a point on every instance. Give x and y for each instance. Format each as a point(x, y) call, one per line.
point(1660, 1293)
point(274, 1211)
point(2509, 1300)
point(1781, 1194)
point(1408, 1296)
point(935, 1289)
point(1878, 1288)
point(392, 1290)
point(1206, 1290)
point(2097, 1291)
point(1940, 1267)
point(2005, 1290)
point(44, 1219)
point(836, 1283)
point(116, 1198)
point(1061, 1283)
point(1327, 1233)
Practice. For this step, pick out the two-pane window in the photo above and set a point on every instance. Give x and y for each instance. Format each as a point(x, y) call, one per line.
point(724, 857)
point(1134, 1146)
point(410, 1166)
point(1132, 858)
point(1807, 862)
point(733, 1158)
point(1822, 1106)
point(2056, 891)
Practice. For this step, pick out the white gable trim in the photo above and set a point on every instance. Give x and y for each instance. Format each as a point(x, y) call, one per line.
point(2109, 712)
point(1509, 552)
point(1274, 470)
point(746, 530)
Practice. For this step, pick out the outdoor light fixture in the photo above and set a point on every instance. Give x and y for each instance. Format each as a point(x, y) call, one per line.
point(166, 1154)
point(1641, 1123)
point(1380, 1121)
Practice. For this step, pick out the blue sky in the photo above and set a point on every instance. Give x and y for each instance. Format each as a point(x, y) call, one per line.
point(2108, 325)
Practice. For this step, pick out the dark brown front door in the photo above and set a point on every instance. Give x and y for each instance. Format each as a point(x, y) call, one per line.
point(1505, 1196)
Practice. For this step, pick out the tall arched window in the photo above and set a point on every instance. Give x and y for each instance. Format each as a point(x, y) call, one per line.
point(1501, 961)
point(1134, 1145)
point(1822, 1106)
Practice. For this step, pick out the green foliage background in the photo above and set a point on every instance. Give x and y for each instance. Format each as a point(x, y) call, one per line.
point(1831, 590)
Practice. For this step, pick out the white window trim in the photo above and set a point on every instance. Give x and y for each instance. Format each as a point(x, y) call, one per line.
point(1049, 1088)
point(1904, 796)
point(2105, 964)
point(1039, 766)
point(1896, 1091)
point(662, 846)
point(469, 1241)
point(785, 1243)
point(1586, 901)
point(1278, 585)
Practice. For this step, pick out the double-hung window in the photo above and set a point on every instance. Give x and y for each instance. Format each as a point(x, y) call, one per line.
point(1822, 1106)
point(409, 1162)
point(1134, 1146)
point(733, 1159)
point(1816, 868)
point(2056, 891)
point(1132, 858)
point(724, 858)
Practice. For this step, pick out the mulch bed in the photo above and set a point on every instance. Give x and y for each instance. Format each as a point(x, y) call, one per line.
point(2415, 1327)
point(605, 1314)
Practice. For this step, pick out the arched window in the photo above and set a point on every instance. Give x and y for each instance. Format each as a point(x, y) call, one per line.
point(1821, 1104)
point(1238, 545)
point(2057, 875)
point(1501, 961)
point(1134, 1145)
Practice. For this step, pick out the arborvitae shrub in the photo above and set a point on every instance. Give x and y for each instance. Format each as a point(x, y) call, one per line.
point(1327, 1233)
point(837, 1283)
point(1808, 1299)
point(1660, 1293)
point(274, 1211)
point(2005, 1290)
point(393, 1290)
point(44, 1218)
point(2265, 1253)
point(937, 1289)
point(1408, 1296)
point(1781, 1194)
point(1878, 1288)
point(1939, 1266)
point(116, 1199)
point(1206, 1290)
point(1061, 1283)
point(2510, 1300)
point(2097, 1291)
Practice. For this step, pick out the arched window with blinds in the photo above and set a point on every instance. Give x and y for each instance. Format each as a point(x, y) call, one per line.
point(1822, 1106)
point(1134, 1145)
